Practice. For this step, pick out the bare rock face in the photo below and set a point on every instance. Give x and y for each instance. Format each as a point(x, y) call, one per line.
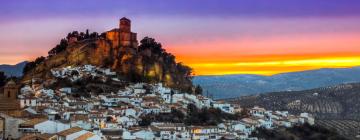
point(134, 65)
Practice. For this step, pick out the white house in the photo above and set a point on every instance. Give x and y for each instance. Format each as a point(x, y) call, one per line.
point(282, 113)
point(242, 127)
point(167, 97)
point(225, 107)
point(42, 126)
point(131, 112)
point(66, 90)
point(26, 90)
point(151, 110)
point(28, 101)
point(257, 112)
point(160, 89)
point(266, 123)
point(127, 121)
point(126, 135)
point(306, 117)
point(143, 134)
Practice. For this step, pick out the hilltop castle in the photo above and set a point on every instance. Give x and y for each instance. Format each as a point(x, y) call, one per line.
point(123, 36)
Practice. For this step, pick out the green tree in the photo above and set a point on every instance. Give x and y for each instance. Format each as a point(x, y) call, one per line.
point(30, 65)
point(198, 90)
point(87, 35)
point(58, 48)
point(2, 78)
point(145, 121)
point(39, 60)
point(184, 70)
point(150, 43)
point(192, 117)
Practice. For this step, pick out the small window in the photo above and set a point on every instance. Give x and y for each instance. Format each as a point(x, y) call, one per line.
point(9, 94)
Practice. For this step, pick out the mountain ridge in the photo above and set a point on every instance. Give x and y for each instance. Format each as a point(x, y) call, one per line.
point(13, 70)
point(237, 85)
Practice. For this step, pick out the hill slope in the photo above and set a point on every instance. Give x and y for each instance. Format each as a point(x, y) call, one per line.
point(229, 86)
point(334, 102)
point(335, 107)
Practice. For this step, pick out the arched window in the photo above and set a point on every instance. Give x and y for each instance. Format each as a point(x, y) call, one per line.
point(9, 94)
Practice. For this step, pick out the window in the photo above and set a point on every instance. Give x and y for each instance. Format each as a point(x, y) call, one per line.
point(9, 94)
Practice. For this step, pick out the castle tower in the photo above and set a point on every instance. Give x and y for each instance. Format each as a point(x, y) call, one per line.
point(127, 38)
point(123, 36)
point(125, 25)
point(8, 100)
point(10, 90)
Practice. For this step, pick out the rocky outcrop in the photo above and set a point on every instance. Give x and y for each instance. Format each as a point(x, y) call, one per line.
point(133, 64)
point(117, 49)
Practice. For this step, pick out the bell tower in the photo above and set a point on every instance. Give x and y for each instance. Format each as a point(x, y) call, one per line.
point(10, 90)
point(125, 25)
point(123, 36)
point(127, 38)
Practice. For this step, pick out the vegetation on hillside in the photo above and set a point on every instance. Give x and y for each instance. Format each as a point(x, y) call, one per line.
point(75, 34)
point(207, 116)
point(157, 65)
point(2, 78)
point(63, 44)
point(334, 102)
point(32, 64)
point(194, 116)
point(301, 132)
point(198, 90)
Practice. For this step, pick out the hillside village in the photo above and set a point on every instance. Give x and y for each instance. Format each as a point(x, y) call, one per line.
point(107, 87)
point(45, 113)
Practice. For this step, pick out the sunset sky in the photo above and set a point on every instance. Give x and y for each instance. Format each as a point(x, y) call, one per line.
point(214, 37)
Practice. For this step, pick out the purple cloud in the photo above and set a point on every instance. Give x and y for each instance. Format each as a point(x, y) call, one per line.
point(215, 8)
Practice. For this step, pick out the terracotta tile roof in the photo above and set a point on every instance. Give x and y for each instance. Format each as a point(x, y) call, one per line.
point(38, 137)
point(85, 136)
point(77, 117)
point(32, 122)
point(46, 136)
point(28, 137)
point(69, 131)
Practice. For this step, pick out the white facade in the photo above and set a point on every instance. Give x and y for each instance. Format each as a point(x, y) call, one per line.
point(28, 102)
point(142, 134)
point(47, 126)
point(225, 107)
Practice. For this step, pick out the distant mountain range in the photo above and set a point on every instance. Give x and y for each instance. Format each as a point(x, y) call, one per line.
point(229, 86)
point(13, 70)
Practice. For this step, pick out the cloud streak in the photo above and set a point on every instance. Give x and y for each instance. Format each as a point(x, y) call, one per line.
point(208, 8)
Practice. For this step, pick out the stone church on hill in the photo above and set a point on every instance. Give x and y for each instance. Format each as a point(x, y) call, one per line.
point(8, 98)
point(123, 36)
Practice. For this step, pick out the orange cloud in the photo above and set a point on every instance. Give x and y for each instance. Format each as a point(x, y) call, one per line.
point(268, 56)
point(273, 67)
